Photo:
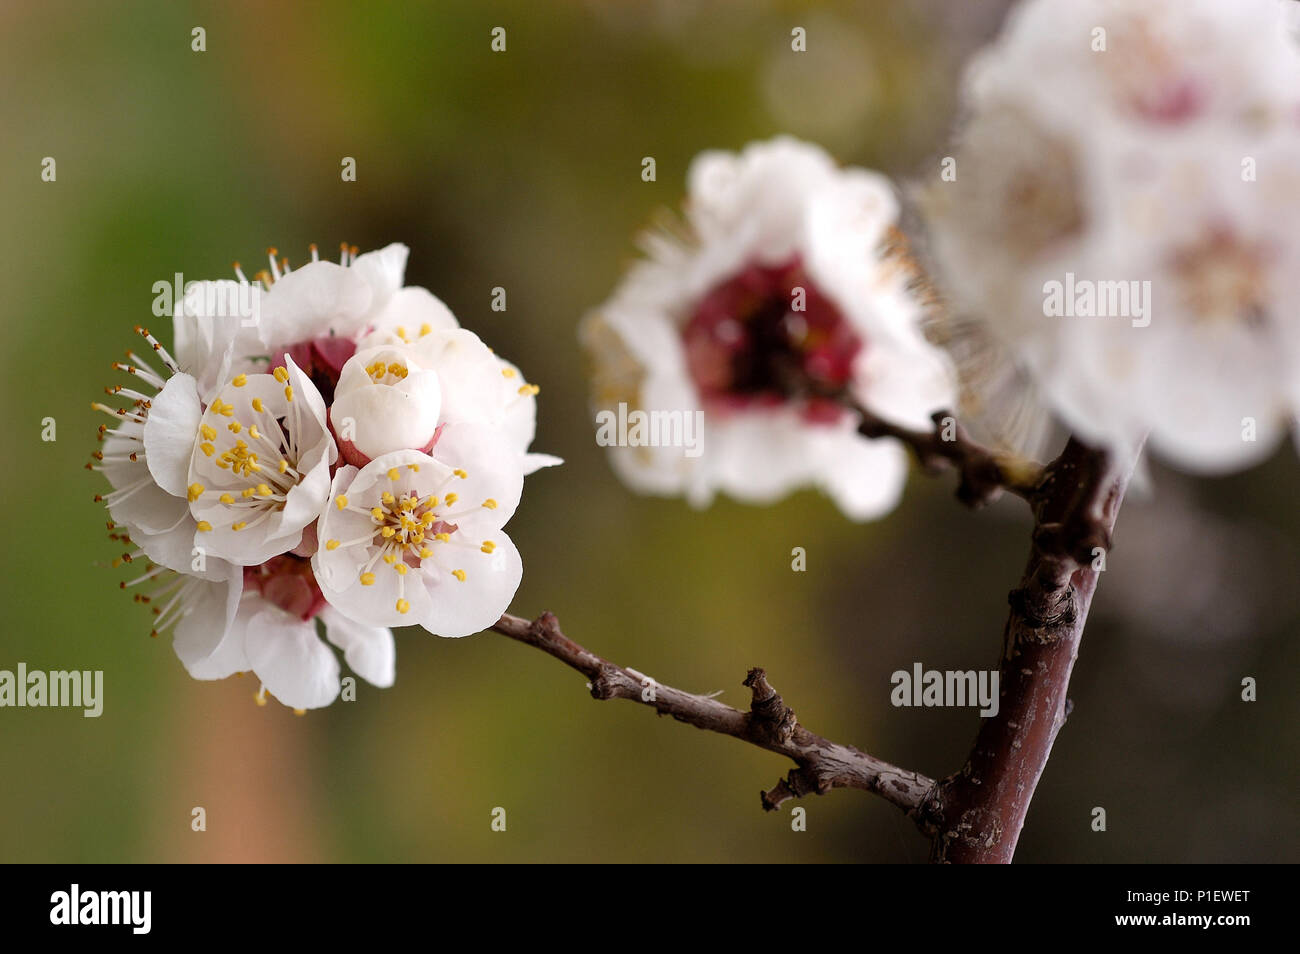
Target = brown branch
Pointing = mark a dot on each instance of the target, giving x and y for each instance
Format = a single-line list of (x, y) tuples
[(821, 765), (984, 474), (975, 815), (980, 810)]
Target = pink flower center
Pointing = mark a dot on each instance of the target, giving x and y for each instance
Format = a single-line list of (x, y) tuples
[(321, 359), (288, 582), (767, 337)]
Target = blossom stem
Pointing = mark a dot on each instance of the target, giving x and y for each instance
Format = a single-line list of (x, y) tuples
[(769, 724), (984, 473)]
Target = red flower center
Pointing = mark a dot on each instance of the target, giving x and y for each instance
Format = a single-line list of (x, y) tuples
[(768, 336)]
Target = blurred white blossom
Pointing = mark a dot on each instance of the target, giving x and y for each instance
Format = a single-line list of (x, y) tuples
[(785, 296), (1122, 215)]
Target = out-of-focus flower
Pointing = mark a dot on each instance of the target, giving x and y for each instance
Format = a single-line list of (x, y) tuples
[(785, 299), (1121, 214)]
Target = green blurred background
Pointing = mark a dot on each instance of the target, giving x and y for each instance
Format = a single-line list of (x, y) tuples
[(522, 169)]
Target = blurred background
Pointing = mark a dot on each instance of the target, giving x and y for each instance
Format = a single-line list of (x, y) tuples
[(522, 169)]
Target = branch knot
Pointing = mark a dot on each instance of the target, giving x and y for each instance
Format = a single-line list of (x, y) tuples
[(768, 712)]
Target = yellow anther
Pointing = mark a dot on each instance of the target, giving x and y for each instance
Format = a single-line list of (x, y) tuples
[(235, 427), (281, 374), (401, 332), (425, 329), (222, 408), (397, 370), (387, 498), (254, 433), (530, 389), (400, 568), (392, 473), (459, 574), (208, 433), (442, 537), (204, 526), (263, 490), (450, 499), (427, 517), (331, 544), (194, 492), (460, 473), (239, 526), (284, 465), (490, 504), (239, 380), (488, 546), (389, 558), (415, 468), (260, 698), (247, 492), (341, 501), (288, 392), (425, 553), (388, 532), (377, 513), (403, 606), (208, 449), (257, 405), (367, 579), (507, 372), (226, 499), (300, 712)]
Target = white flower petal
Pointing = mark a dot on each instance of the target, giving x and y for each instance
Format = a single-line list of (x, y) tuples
[(461, 608), (203, 640), (290, 659), (368, 650), (313, 301), (170, 432), (383, 270)]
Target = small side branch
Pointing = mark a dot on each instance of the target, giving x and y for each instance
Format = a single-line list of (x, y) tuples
[(984, 474), (770, 724)]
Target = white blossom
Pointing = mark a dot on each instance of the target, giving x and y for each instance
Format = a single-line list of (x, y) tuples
[(1122, 218), (785, 299)]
